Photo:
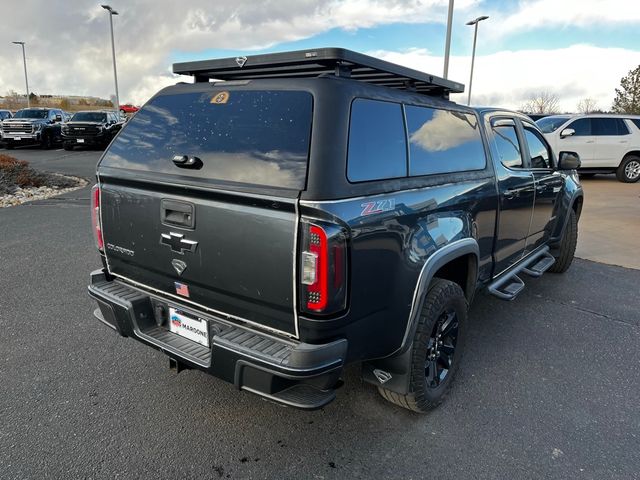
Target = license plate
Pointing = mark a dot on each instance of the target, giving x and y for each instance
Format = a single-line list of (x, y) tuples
[(194, 329), (80, 140), (17, 138)]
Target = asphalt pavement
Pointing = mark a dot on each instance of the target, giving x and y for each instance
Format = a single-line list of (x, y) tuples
[(548, 388)]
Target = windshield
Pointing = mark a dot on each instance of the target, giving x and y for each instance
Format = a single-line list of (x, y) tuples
[(249, 137), (88, 117), (551, 124), (28, 113)]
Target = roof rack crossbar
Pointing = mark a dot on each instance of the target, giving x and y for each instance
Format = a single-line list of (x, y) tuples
[(320, 62)]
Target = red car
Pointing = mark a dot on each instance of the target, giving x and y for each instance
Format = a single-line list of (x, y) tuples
[(128, 108)]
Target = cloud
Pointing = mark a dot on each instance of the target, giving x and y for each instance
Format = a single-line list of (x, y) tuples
[(508, 79), (69, 50), (535, 14)]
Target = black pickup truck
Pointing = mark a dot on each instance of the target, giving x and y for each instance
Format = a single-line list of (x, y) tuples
[(91, 129), (317, 208), (33, 126)]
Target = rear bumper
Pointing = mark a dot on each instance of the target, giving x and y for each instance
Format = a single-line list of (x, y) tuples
[(292, 373)]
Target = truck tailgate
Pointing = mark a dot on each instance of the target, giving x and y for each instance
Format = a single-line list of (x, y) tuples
[(230, 253)]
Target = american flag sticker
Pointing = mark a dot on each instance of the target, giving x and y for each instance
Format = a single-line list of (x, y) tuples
[(182, 289)]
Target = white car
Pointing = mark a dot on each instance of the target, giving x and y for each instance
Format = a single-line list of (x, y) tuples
[(605, 143)]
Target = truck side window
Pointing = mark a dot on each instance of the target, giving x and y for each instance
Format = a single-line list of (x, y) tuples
[(538, 150), (582, 127), (377, 141), (508, 147), (443, 141)]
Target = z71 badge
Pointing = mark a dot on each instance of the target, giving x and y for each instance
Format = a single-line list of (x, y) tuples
[(370, 208)]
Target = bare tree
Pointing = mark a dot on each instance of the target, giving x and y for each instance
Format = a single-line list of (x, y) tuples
[(14, 101), (541, 102), (587, 105)]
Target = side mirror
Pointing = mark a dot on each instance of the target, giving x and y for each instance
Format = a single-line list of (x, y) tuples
[(568, 161), (58, 118), (567, 132)]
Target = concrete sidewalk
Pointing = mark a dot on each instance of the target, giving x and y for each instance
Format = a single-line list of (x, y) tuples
[(609, 228)]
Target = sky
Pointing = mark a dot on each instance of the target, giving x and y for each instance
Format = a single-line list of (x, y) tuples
[(574, 49)]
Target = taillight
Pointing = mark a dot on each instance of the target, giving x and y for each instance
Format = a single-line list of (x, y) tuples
[(322, 268), (95, 217)]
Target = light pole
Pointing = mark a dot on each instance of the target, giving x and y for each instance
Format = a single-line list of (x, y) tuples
[(112, 12), (473, 55), (447, 46), (26, 79)]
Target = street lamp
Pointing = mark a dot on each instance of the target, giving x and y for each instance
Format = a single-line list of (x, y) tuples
[(447, 46), (473, 55), (26, 79), (112, 12)]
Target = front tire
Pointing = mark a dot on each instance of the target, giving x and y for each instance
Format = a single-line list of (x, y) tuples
[(45, 143), (629, 169), (436, 349), (567, 248), (67, 146)]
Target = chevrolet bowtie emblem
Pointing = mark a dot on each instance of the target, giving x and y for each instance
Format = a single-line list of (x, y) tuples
[(178, 243)]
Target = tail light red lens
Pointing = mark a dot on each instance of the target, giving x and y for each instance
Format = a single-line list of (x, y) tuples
[(95, 217), (315, 271), (323, 269)]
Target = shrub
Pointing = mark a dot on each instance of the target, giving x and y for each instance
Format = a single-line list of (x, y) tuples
[(16, 174)]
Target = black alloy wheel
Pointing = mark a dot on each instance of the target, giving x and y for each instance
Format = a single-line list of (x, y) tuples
[(437, 348), (441, 348)]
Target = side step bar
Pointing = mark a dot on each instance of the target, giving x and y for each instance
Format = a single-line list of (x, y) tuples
[(300, 396), (509, 285)]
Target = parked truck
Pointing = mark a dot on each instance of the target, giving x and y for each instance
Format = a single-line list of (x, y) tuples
[(91, 129), (313, 209), (33, 126)]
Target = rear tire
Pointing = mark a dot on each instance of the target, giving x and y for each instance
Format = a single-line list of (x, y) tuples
[(567, 248), (433, 366), (629, 169)]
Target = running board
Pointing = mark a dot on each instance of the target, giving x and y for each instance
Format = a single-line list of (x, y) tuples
[(509, 285), (543, 264)]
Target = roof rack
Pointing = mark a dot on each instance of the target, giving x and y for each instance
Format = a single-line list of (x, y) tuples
[(318, 62)]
